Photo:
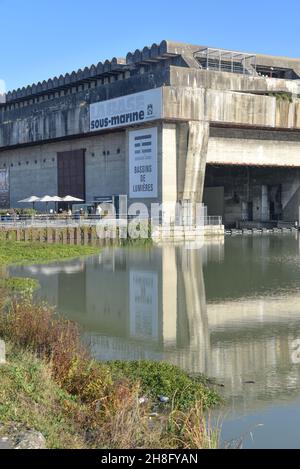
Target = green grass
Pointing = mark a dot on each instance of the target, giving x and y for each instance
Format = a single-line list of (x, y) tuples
[(19, 285), (30, 397), (164, 379), (13, 252)]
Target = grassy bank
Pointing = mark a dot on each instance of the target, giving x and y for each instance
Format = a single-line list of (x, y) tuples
[(22, 253), (53, 386), (13, 252), (29, 397)]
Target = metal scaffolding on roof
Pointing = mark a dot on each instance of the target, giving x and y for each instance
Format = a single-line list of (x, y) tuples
[(226, 61)]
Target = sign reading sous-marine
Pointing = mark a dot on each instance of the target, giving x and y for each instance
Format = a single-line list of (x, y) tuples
[(136, 108)]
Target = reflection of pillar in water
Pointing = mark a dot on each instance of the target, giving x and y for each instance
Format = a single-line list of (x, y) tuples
[(169, 295), (194, 288), (215, 252), (264, 245)]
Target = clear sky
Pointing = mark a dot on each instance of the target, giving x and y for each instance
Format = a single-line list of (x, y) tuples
[(44, 38)]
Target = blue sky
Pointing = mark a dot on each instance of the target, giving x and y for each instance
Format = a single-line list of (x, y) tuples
[(44, 38)]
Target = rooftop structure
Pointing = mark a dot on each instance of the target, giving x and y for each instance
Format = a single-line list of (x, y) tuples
[(167, 53), (226, 61)]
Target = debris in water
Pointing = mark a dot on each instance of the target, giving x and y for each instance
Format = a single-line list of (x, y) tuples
[(163, 399)]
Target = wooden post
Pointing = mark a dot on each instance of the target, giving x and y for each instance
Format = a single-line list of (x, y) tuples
[(78, 235), (2, 352), (71, 235), (93, 235), (64, 236), (85, 236), (56, 235), (49, 236), (34, 235)]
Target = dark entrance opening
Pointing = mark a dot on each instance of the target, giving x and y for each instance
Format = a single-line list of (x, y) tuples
[(71, 174), (275, 202), (250, 211)]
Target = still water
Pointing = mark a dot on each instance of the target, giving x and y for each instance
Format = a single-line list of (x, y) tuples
[(230, 310)]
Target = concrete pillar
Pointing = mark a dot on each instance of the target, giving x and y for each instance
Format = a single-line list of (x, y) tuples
[(196, 161), (265, 209), (169, 172)]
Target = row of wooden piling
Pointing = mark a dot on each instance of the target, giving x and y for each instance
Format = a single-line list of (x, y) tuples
[(81, 235)]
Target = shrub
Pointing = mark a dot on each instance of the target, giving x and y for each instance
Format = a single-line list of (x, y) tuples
[(90, 380), (35, 327), (159, 378)]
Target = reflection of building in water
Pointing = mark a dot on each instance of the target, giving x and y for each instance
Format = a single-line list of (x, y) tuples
[(158, 304), (152, 305), (254, 340), (143, 307), (133, 294)]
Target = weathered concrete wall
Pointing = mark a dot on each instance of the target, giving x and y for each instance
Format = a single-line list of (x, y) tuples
[(68, 113), (253, 152), (105, 166), (33, 170), (225, 81), (219, 106)]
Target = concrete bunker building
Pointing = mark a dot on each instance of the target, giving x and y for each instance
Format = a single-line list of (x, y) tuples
[(170, 123)]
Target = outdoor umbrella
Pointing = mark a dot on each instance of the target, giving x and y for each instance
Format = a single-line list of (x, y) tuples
[(69, 199), (47, 199), (56, 199), (30, 200)]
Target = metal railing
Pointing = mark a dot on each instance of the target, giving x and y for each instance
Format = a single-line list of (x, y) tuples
[(24, 221), (215, 221), (226, 61)]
